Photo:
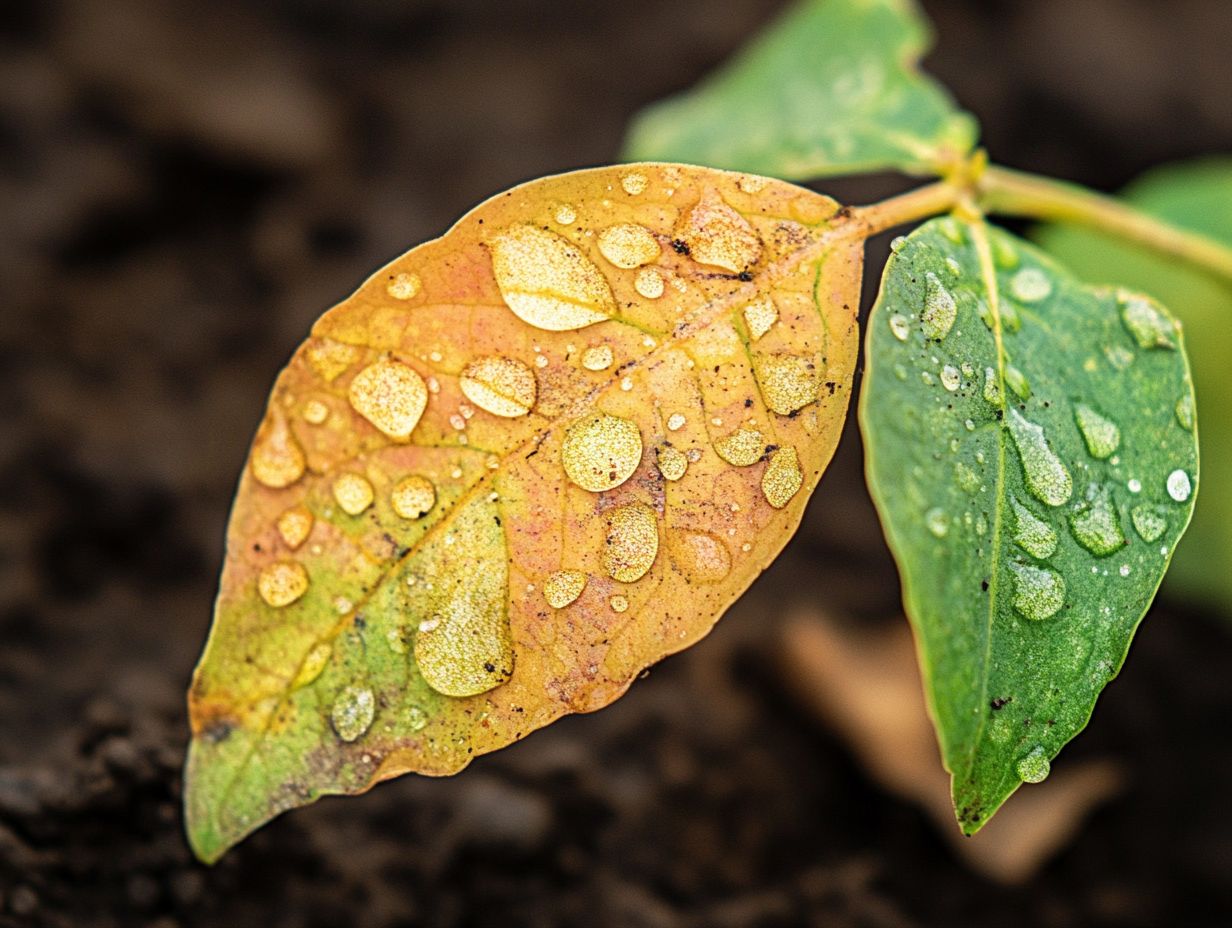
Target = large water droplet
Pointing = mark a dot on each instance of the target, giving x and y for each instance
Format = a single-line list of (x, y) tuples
[(1039, 592), (1033, 534), (1147, 321), (648, 282), (1179, 486), (628, 245), (1148, 522), (1034, 768), (282, 583), (1046, 476), (1102, 436), (742, 447), (788, 382), (717, 235), (601, 452), (547, 282), (940, 309), (501, 386), (632, 542), (1096, 525), (759, 316), (782, 479), (353, 712), (390, 395)]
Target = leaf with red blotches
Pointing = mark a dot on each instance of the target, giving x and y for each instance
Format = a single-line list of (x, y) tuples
[(521, 464)]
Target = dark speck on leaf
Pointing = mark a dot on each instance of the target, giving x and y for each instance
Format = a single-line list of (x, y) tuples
[(746, 276), (680, 246)]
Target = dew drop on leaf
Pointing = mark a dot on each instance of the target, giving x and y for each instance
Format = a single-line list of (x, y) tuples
[(899, 326), (937, 521), (416, 718), (1034, 768), (1148, 523), (741, 448), (618, 603), (992, 387), (390, 395), (282, 583), (782, 479), (1185, 412), (759, 316), (294, 525), (1046, 476), (597, 358), (951, 379), (1033, 534), (563, 587), (671, 462), (703, 557), (403, 286), (940, 309), (648, 282), (1179, 486), (353, 493), (1096, 525), (413, 496), (788, 382), (1102, 436), (717, 235), (353, 712), (313, 664), (565, 215), (628, 245), (634, 183), (315, 412), (277, 459), (600, 452), (547, 282), (1018, 382), (1030, 285), (502, 386), (675, 422), (632, 542), (1146, 321), (1039, 592)]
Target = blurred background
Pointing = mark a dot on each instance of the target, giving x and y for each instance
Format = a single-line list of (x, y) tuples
[(184, 188)]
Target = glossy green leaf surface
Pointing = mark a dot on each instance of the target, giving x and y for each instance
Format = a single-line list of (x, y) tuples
[(1033, 476), (833, 87), (1195, 196)]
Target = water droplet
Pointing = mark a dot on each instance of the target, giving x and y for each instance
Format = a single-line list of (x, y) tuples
[(1039, 592), (403, 286), (1034, 768), (1100, 434), (1148, 522), (1179, 486), (967, 479), (1033, 534), (547, 282), (277, 459), (294, 525), (634, 183), (282, 583), (1046, 476), (759, 316), (313, 665), (1146, 321), (937, 521), (565, 215), (992, 386), (742, 447), (900, 326), (1135, 486), (782, 478), (1119, 356), (788, 382), (563, 587), (898, 243), (1003, 253), (751, 183), (626, 384), (413, 496), (1030, 285), (1124, 570), (675, 422), (672, 464), (718, 235), (648, 282), (601, 452), (1018, 382), (940, 310), (1185, 412), (953, 267), (702, 557), (598, 358), (951, 379), (632, 542), (1096, 525), (618, 603), (416, 718), (628, 245), (315, 412), (390, 395), (501, 386), (353, 493), (353, 712)]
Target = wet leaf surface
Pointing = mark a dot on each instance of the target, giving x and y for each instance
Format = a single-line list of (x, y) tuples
[(1195, 196), (522, 463), (833, 87), (1033, 478)]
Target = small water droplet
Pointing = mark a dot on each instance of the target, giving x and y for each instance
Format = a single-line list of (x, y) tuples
[(1102, 436), (1179, 486), (900, 372), (1039, 592), (788, 382), (353, 493), (1018, 382), (416, 718), (1124, 570), (1030, 285), (675, 422), (1185, 412), (277, 459), (632, 542), (1135, 486), (898, 243), (403, 286), (1034, 768), (563, 587), (1147, 321), (703, 557), (937, 521), (315, 412), (1149, 523), (628, 245), (967, 479), (1003, 253), (618, 603), (502, 386), (717, 235), (1046, 476), (353, 712), (600, 452), (951, 379), (313, 665), (672, 463), (782, 478), (953, 267), (413, 496), (634, 183), (597, 358), (992, 386), (1096, 525), (940, 309), (648, 282), (565, 215), (1033, 534), (294, 525)]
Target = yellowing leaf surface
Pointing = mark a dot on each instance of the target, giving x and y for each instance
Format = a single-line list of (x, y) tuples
[(522, 463)]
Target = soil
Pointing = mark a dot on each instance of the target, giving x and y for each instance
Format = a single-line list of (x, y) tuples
[(184, 188)]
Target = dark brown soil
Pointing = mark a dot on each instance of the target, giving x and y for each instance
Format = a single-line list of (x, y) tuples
[(185, 187)]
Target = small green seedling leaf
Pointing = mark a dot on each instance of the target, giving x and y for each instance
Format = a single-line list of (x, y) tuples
[(1033, 478), (1196, 196), (522, 463), (831, 88)]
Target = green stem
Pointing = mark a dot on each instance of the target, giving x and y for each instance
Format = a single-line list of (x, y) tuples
[(912, 206), (1014, 193)]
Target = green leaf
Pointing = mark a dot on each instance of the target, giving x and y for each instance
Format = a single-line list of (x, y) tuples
[(831, 88), (1196, 196), (1033, 479)]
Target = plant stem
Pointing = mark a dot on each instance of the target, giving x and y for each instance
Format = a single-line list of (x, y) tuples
[(1014, 193), (912, 206)]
